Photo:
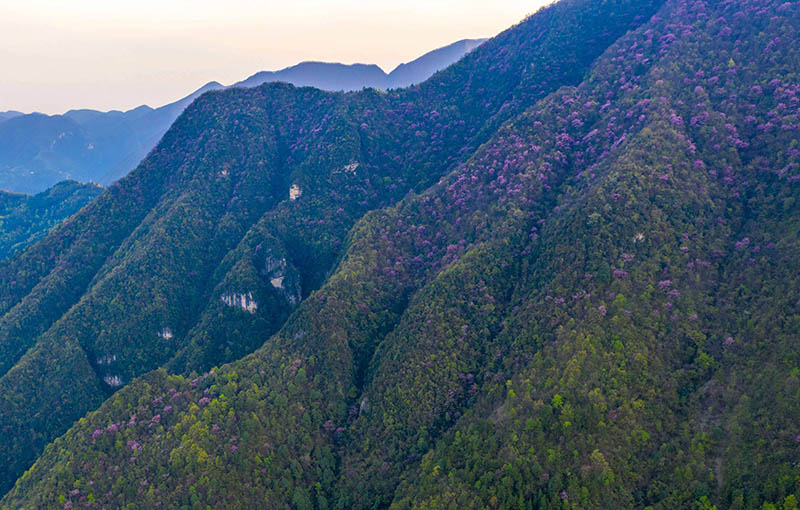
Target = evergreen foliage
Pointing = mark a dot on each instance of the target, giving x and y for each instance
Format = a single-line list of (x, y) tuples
[(25, 219), (562, 273)]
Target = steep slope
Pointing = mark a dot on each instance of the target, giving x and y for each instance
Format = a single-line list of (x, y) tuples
[(598, 309), (421, 69), (121, 140), (24, 219), (36, 150), (243, 209)]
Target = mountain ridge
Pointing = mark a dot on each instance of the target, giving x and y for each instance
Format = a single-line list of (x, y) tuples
[(561, 273), (233, 158), (369, 75), (90, 145)]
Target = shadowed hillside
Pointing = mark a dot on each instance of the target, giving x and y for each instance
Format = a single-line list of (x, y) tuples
[(24, 219)]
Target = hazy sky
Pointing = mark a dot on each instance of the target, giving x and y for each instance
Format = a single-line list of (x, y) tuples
[(118, 54)]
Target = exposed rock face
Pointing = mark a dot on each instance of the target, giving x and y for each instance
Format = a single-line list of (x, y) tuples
[(113, 380), (282, 278), (240, 300), (106, 359)]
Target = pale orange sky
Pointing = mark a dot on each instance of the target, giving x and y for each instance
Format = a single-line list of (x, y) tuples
[(110, 54)]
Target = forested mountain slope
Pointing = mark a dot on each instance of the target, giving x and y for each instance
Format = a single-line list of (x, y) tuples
[(25, 218), (243, 209), (590, 300), (38, 150)]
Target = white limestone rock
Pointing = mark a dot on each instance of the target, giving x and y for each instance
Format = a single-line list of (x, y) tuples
[(113, 380), (241, 300), (106, 359), (295, 192)]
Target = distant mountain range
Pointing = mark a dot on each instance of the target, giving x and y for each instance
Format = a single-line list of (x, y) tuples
[(9, 115), (327, 76), (37, 150)]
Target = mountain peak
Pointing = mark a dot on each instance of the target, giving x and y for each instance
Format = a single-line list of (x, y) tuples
[(107, 145)]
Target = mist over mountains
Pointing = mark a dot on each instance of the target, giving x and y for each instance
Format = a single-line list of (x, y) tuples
[(37, 151)]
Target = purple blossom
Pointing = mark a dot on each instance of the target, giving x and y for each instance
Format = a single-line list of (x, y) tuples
[(664, 284), (97, 433), (740, 245), (602, 310)]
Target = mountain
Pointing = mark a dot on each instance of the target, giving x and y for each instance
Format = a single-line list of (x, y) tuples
[(425, 66), (37, 150), (561, 273), (24, 218), (342, 77), (9, 115), (146, 275), (323, 75)]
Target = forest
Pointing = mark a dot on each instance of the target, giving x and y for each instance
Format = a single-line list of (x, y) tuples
[(563, 273)]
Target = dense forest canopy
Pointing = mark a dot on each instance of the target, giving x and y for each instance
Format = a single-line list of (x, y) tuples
[(27, 218), (562, 273)]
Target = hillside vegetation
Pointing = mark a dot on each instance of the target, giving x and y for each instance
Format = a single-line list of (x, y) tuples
[(562, 273), (25, 219)]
